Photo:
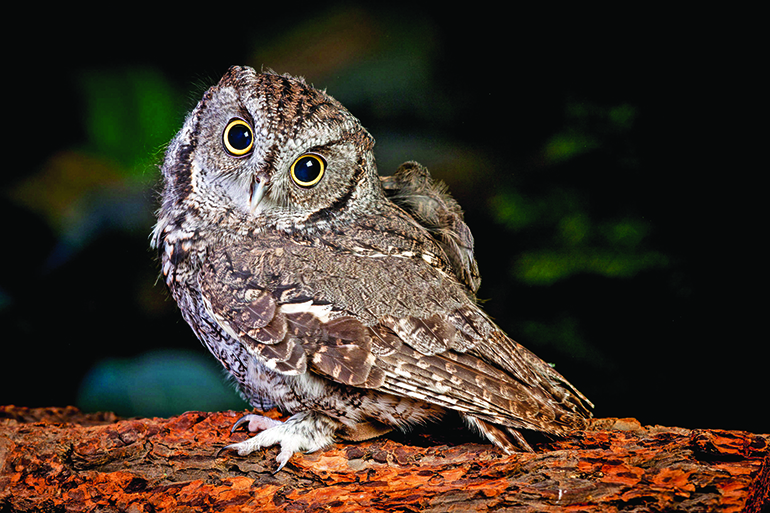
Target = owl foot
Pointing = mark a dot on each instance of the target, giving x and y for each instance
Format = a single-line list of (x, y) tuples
[(303, 432)]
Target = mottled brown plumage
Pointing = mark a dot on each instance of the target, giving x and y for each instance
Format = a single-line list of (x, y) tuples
[(344, 298)]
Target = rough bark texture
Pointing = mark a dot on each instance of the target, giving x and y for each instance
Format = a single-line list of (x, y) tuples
[(59, 459)]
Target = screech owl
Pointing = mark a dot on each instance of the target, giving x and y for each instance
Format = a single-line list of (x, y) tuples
[(346, 299)]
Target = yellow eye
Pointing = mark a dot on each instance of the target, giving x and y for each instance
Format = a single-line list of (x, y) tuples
[(238, 138), (308, 170)]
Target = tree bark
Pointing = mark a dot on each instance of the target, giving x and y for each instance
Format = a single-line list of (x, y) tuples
[(60, 459)]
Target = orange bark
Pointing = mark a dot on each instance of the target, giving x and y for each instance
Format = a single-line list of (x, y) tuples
[(62, 459)]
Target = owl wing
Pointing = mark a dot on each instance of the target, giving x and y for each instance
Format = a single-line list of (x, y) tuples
[(428, 201), (350, 318)]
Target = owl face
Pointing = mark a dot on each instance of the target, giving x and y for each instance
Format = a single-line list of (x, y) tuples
[(276, 151)]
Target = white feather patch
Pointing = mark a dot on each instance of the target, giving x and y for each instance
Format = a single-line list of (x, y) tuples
[(322, 312)]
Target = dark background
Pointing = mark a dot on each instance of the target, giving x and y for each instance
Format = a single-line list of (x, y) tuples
[(602, 160)]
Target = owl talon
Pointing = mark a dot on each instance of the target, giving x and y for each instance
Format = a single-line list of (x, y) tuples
[(255, 423), (303, 432), (282, 459)]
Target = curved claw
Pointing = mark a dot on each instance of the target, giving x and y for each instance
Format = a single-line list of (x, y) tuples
[(238, 423), (223, 449), (281, 462), (255, 422)]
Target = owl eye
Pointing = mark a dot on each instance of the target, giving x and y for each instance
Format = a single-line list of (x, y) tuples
[(308, 170), (238, 138)]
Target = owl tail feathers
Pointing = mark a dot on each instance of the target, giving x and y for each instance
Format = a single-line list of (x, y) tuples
[(305, 431), (507, 439)]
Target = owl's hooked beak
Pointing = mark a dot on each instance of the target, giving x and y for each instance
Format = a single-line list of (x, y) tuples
[(257, 193)]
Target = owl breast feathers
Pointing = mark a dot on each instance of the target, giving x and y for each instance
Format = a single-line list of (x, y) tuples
[(346, 299)]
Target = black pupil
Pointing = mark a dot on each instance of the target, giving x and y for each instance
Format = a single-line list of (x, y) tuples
[(239, 137), (307, 169)]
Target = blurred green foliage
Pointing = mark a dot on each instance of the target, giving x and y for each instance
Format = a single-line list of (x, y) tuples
[(129, 115), (572, 239), (103, 183), (616, 248)]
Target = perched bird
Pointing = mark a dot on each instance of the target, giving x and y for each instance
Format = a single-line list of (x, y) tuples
[(346, 299)]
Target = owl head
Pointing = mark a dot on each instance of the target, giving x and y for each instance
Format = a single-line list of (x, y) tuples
[(262, 149)]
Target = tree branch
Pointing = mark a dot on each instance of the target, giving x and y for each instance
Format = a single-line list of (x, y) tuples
[(56, 459)]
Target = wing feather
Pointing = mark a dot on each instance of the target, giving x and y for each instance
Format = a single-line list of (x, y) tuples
[(451, 355)]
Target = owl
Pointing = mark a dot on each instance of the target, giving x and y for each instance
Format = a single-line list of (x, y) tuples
[(345, 299)]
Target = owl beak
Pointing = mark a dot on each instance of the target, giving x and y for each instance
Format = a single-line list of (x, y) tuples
[(257, 193)]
